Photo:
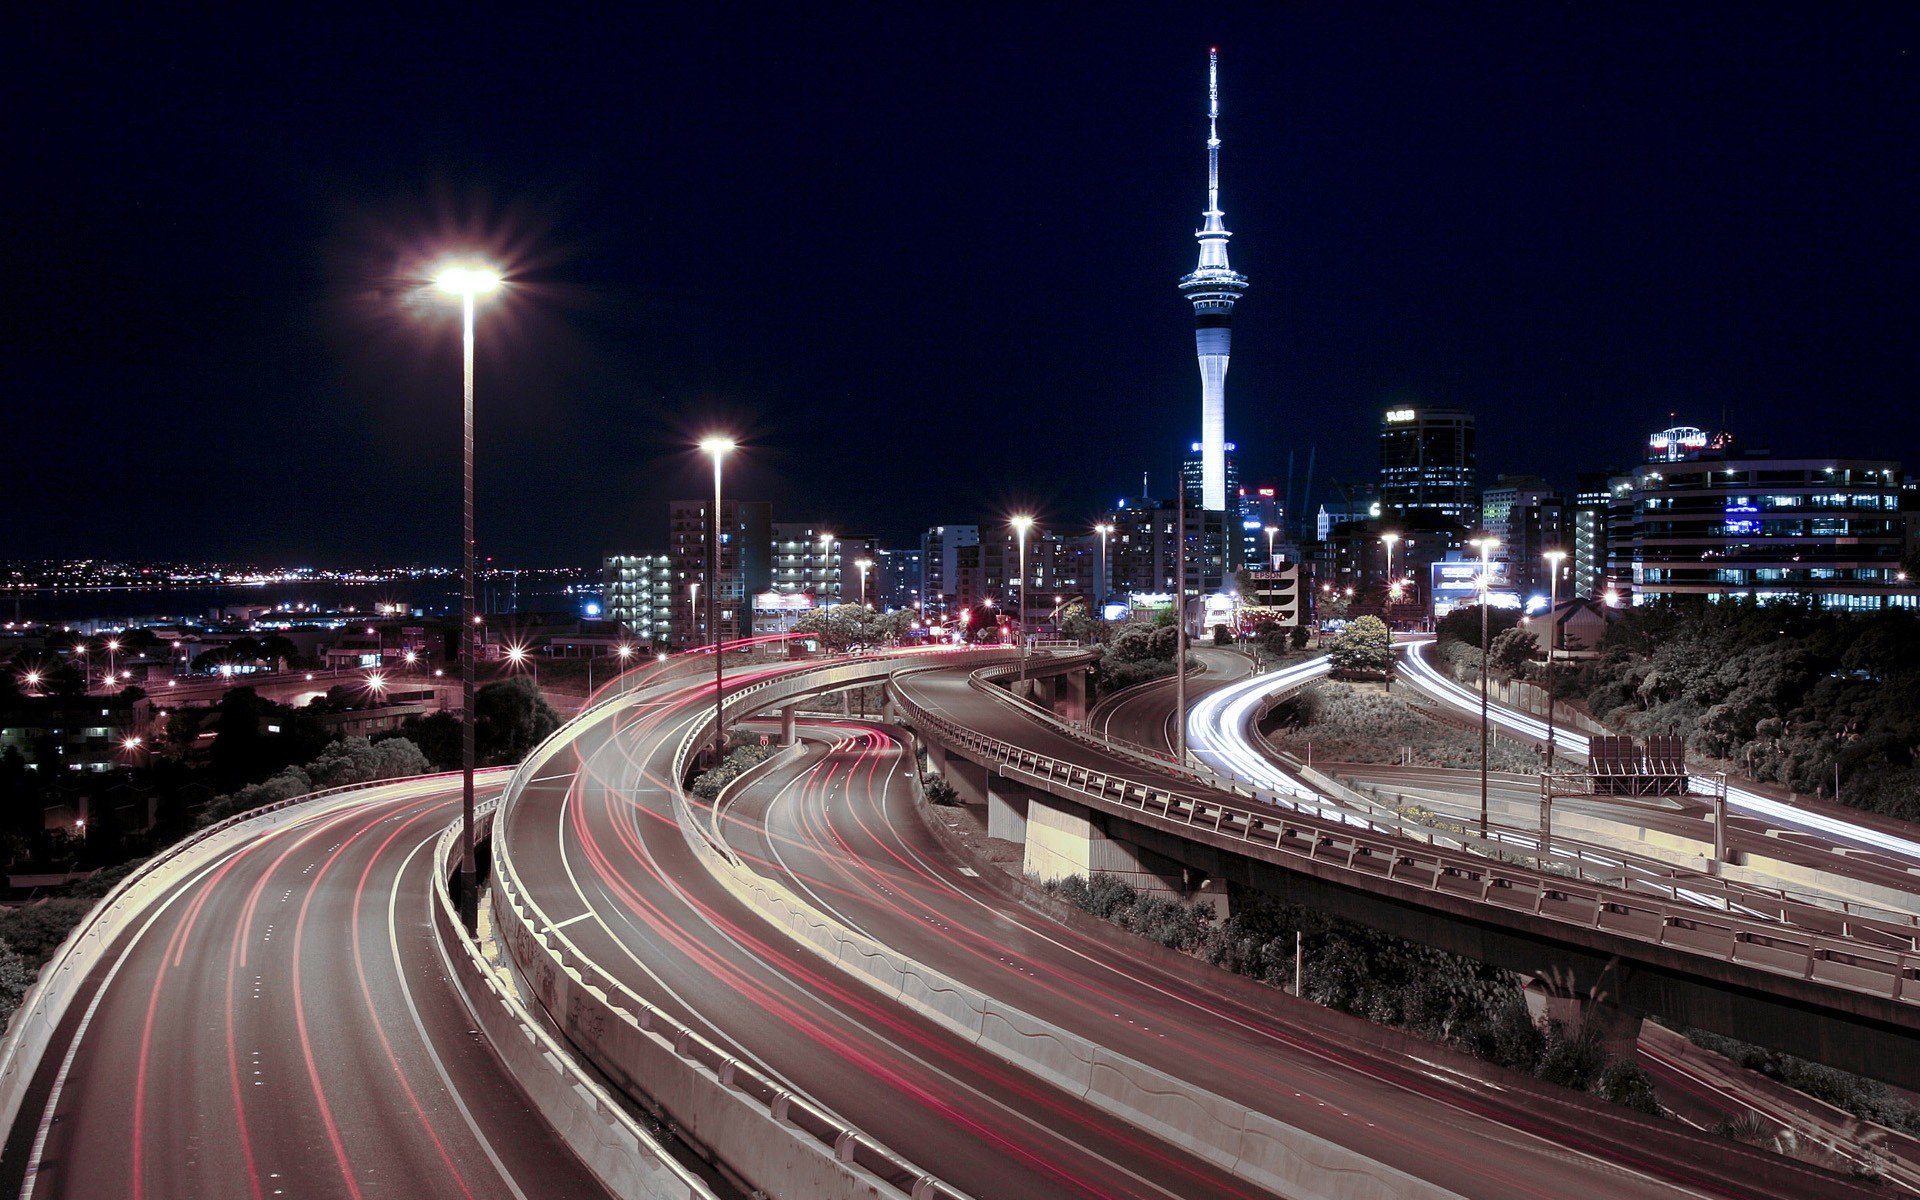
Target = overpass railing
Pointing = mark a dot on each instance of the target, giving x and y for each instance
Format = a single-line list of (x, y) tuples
[(1364, 854)]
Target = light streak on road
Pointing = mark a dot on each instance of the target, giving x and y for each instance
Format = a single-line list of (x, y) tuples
[(1216, 728), (1428, 678)]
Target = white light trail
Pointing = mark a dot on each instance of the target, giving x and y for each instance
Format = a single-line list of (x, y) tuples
[(1424, 675)]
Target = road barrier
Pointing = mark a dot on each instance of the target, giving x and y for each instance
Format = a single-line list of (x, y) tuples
[(1245, 1142), (624, 1156), (1365, 854), (717, 1098), (45, 1005)]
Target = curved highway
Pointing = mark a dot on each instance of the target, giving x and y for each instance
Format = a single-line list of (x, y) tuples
[(598, 845), (1143, 714), (281, 1025), (838, 824)]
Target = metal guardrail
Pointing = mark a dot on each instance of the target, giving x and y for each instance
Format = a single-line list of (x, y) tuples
[(796, 1114), (1353, 846)]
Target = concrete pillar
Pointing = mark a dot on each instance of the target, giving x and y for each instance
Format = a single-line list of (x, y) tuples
[(1007, 804), (1213, 890), (1046, 691), (1064, 838), (969, 779), (786, 724), (888, 709), (1070, 696), (1551, 999)]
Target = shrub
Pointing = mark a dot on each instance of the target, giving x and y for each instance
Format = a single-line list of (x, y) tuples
[(709, 783), (938, 790)]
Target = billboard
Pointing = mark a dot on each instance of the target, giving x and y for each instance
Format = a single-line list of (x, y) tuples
[(1458, 583)]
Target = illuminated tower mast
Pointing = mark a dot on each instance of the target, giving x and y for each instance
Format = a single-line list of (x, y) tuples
[(1213, 287)]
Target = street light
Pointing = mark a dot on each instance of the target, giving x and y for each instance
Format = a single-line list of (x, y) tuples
[(1554, 559), (469, 284), (1485, 545), (718, 448), (1270, 531), (1105, 531), (864, 564), (1020, 525), (826, 563)]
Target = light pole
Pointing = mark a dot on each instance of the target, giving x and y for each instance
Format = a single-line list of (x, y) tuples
[(1180, 625), (1554, 559), (468, 283), (718, 448), (1388, 540), (1485, 545), (113, 647), (865, 565), (1271, 530), (1100, 596), (826, 564), (1020, 525)]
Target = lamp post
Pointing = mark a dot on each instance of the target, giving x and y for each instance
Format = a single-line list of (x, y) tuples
[(1020, 525), (1271, 530), (865, 565), (1485, 545), (826, 563), (113, 647), (1100, 596), (1388, 540), (1554, 559), (468, 283), (718, 448)]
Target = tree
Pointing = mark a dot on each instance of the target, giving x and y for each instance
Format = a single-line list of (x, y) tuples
[(1082, 626), (358, 760), (278, 648), (510, 717), (1365, 646), (840, 627), (1510, 653)]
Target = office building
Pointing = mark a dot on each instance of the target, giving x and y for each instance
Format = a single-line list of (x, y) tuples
[(1427, 463), (1755, 526)]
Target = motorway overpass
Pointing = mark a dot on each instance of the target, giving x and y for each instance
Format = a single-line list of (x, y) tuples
[(1081, 807)]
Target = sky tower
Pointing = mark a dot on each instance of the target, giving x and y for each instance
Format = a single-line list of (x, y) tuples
[(1213, 287)]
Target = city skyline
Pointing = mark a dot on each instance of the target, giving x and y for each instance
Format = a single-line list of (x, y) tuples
[(1635, 239)]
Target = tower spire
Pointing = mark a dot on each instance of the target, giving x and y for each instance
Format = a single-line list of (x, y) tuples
[(1213, 288), (1213, 138)]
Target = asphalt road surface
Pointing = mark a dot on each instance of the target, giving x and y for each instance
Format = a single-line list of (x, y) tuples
[(282, 1026)]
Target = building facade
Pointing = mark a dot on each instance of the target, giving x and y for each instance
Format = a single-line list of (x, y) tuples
[(1428, 457), (1825, 529), (636, 591), (746, 541)]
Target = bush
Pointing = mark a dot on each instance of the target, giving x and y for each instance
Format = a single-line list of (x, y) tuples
[(1364, 646), (1627, 1084), (16, 976), (1362, 723), (938, 790), (709, 783)]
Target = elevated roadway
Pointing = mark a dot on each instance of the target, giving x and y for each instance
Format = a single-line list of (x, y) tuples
[(595, 841), (840, 822), (280, 1025)]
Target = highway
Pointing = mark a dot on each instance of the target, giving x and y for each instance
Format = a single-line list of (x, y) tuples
[(281, 1025), (1143, 714), (838, 823), (597, 842)]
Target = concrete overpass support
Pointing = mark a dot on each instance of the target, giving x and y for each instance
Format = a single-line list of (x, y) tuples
[(1064, 838), (969, 779), (786, 724), (1007, 807), (1070, 696), (1553, 999)]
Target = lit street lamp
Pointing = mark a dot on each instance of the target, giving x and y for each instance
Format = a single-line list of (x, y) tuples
[(826, 564), (1271, 530), (1100, 595), (865, 565), (1020, 525), (1485, 545), (718, 448), (1554, 559), (468, 283)]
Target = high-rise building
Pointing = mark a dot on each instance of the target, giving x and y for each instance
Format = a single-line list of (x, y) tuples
[(1213, 287), (1193, 473), (1262, 509), (636, 590), (746, 542), (900, 583), (1754, 526), (1591, 497), (1427, 461)]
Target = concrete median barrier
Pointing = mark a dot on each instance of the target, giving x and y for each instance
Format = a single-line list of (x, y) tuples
[(614, 1146), (1253, 1145)]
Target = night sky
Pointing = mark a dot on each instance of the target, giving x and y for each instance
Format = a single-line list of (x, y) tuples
[(925, 267)]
